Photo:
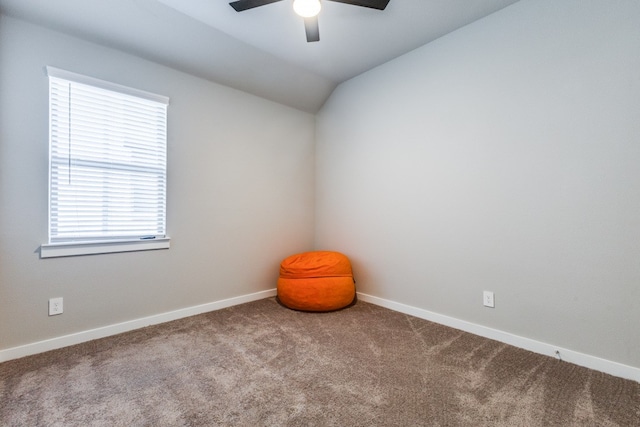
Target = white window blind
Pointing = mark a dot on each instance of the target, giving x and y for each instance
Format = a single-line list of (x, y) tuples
[(107, 161)]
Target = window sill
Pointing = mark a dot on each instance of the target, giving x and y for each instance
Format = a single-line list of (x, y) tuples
[(54, 250)]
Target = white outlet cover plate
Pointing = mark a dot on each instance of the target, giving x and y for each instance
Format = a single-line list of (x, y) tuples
[(55, 306), (488, 300)]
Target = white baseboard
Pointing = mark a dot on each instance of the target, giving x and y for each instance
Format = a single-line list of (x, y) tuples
[(581, 359), (92, 334)]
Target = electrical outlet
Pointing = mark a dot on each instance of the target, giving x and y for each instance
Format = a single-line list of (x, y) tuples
[(55, 306), (488, 300)]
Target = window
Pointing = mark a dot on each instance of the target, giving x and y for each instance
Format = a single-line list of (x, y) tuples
[(107, 167)]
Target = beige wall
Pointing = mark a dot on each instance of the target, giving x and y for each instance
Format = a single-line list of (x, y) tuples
[(505, 157), (240, 194)]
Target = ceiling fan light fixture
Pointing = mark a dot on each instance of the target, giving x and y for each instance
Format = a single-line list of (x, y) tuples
[(307, 8)]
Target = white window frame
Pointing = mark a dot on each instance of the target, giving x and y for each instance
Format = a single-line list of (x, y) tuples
[(107, 245)]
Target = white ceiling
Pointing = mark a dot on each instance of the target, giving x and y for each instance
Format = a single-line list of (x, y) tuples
[(263, 50)]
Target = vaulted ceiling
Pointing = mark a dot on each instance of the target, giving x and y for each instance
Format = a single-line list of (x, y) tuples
[(263, 50)]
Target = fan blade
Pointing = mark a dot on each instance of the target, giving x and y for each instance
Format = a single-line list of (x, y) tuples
[(373, 4), (241, 5), (312, 29)]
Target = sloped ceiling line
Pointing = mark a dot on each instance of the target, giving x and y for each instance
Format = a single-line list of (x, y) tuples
[(261, 51)]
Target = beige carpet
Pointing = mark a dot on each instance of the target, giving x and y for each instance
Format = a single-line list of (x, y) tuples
[(260, 364)]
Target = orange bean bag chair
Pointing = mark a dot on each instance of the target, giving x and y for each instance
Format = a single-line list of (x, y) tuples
[(316, 281)]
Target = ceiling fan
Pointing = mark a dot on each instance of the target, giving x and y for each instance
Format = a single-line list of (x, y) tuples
[(309, 10)]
